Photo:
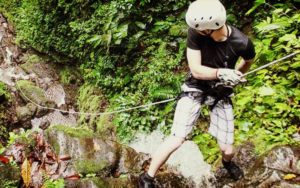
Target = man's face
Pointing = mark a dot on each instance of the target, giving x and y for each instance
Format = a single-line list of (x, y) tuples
[(206, 32)]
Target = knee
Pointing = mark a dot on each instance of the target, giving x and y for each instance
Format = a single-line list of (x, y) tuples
[(227, 152), (176, 141)]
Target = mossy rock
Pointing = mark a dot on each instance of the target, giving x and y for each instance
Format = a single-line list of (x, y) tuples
[(36, 65), (97, 182), (80, 143), (30, 92)]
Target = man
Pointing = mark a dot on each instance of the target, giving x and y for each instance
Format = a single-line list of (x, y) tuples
[(213, 49)]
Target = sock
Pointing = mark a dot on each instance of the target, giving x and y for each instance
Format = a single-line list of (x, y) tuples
[(225, 164), (148, 177)]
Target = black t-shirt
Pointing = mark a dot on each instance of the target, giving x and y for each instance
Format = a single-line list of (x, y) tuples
[(213, 54)]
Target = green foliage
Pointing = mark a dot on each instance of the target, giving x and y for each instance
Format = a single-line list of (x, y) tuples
[(131, 53), (55, 183), (5, 97), (8, 183), (267, 109), (22, 137)]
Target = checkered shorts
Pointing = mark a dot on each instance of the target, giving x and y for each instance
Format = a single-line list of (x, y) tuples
[(221, 119)]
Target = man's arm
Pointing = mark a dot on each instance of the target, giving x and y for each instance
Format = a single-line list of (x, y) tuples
[(199, 71), (245, 65)]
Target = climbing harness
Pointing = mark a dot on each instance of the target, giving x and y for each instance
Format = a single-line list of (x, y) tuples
[(183, 94)]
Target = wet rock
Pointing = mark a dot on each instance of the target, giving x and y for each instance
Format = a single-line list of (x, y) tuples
[(9, 173), (36, 65), (80, 145), (30, 92), (269, 169), (44, 124), (26, 113), (131, 162), (125, 182)]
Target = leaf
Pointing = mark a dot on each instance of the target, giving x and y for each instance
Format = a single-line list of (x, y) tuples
[(140, 25), (25, 172), (245, 126), (289, 176), (178, 30), (95, 38), (257, 3), (96, 146), (73, 177), (4, 159), (64, 157), (288, 37), (266, 91), (259, 109), (138, 34)]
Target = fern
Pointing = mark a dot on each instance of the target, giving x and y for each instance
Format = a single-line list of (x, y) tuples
[(164, 93)]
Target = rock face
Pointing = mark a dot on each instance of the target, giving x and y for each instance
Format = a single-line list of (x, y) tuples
[(35, 65), (115, 165), (89, 154), (92, 154), (265, 171)]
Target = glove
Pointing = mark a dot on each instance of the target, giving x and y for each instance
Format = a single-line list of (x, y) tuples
[(230, 77)]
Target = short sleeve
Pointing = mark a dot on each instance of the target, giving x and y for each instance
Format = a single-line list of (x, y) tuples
[(193, 39), (249, 52)]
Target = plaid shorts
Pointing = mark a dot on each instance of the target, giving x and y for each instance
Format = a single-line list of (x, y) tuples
[(221, 119)]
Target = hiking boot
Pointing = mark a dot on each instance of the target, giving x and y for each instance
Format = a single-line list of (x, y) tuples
[(234, 171), (145, 181)]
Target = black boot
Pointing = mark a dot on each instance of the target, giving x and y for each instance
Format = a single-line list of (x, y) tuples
[(145, 181), (234, 171)]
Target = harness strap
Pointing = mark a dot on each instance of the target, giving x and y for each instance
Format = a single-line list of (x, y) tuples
[(195, 94)]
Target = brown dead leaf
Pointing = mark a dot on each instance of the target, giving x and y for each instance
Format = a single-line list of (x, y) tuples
[(26, 171), (64, 157), (73, 177), (96, 146)]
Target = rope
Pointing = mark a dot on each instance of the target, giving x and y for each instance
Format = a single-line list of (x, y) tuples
[(151, 104), (95, 114)]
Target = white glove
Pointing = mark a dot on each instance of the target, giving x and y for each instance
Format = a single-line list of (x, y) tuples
[(230, 77)]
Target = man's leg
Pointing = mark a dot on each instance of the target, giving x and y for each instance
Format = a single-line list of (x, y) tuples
[(186, 113), (163, 153), (222, 128), (227, 151)]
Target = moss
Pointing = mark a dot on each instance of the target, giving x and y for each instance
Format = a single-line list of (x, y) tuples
[(28, 84), (5, 97), (100, 182), (90, 166), (79, 132)]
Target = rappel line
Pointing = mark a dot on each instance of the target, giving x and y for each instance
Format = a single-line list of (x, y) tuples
[(146, 105), (95, 114)]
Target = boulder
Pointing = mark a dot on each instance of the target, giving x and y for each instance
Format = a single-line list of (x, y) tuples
[(89, 153), (29, 92), (26, 113), (35, 65), (125, 182), (267, 170)]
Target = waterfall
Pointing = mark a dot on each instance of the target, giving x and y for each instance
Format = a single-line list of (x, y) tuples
[(188, 159)]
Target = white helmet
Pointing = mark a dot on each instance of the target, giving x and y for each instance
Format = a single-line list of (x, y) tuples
[(206, 14)]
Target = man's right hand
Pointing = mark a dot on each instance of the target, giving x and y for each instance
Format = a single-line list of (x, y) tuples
[(230, 77)]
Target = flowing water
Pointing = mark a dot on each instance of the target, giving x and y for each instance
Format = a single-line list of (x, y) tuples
[(188, 159)]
